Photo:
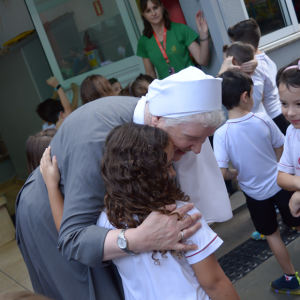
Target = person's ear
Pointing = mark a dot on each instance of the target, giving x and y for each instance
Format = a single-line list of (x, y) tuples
[(244, 97), (155, 121), (62, 115), (234, 62)]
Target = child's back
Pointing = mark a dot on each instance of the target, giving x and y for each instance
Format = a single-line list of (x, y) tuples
[(172, 276), (248, 143)]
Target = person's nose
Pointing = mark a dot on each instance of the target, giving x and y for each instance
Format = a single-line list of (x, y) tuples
[(197, 147), (291, 113)]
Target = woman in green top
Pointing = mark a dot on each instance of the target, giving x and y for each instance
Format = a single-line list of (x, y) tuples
[(179, 42)]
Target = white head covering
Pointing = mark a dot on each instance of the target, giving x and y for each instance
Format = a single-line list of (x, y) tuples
[(187, 92)]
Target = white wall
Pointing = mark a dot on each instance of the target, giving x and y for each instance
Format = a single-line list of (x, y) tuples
[(14, 19)]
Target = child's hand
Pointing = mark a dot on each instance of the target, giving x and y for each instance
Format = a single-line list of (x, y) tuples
[(234, 174), (52, 81), (294, 204), (49, 170), (249, 66), (228, 65)]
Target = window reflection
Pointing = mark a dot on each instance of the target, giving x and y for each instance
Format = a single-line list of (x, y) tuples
[(82, 37), (271, 15)]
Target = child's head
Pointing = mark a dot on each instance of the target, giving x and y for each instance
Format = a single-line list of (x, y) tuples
[(51, 111), (95, 87), (245, 31), (139, 87), (116, 85), (237, 89), (240, 51), (288, 82), (137, 170), (35, 147)]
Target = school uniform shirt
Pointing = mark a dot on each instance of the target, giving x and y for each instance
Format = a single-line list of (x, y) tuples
[(267, 70), (249, 143), (179, 38), (290, 159), (258, 92), (174, 278)]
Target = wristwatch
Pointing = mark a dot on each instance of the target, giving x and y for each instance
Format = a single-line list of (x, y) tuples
[(123, 243)]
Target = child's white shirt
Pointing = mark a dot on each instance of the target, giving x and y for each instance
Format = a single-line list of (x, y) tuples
[(249, 143), (174, 278), (267, 70), (258, 92), (290, 159)]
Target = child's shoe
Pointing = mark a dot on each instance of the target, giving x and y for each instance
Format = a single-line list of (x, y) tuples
[(257, 236), (282, 286)]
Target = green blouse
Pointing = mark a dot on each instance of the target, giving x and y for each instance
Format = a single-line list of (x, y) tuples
[(179, 38)]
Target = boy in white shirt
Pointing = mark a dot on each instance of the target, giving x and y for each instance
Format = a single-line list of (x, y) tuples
[(254, 144), (248, 32), (241, 53)]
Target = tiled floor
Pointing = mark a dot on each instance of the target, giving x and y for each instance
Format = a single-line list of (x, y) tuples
[(11, 193), (14, 276)]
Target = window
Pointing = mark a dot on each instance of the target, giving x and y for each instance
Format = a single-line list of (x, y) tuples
[(271, 15), (84, 37)]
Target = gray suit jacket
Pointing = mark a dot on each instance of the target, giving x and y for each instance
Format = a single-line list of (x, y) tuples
[(77, 272)]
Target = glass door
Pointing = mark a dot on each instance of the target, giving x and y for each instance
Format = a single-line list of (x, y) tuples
[(84, 37)]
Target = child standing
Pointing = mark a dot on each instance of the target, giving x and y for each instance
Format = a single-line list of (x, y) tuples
[(288, 82), (138, 173), (254, 144), (248, 32)]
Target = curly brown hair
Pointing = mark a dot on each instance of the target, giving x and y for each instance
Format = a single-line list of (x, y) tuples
[(148, 30), (134, 169)]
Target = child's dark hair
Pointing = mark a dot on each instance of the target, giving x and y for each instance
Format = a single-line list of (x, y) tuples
[(148, 31), (240, 51), (49, 110), (291, 77), (234, 84), (35, 147), (113, 80), (246, 31), (138, 88), (134, 169)]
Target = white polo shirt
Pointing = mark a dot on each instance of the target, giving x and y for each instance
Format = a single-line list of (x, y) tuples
[(249, 143), (258, 92), (267, 70), (174, 278), (290, 159)]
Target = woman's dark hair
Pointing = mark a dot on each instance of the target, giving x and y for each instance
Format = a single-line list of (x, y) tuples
[(49, 110), (148, 30), (137, 88), (234, 84), (95, 87), (134, 169), (291, 77), (35, 147)]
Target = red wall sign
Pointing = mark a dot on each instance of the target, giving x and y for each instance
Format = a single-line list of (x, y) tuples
[(98, 8)]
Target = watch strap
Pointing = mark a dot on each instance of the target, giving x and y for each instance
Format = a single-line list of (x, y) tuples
[(122, 236), (59, 86)]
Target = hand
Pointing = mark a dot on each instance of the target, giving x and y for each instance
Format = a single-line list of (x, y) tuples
[(74, 87), (52, 81), (294, 204), (49, 169), (163, 232), (228, 65), (234, 174), (201, 25), (249, 66)]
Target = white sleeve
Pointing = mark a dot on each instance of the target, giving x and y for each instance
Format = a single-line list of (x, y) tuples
[(277, 137), (286, 164), (220, 150), (103, 221), (207, 241)]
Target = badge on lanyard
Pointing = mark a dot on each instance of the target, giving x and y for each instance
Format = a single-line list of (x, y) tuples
[(163, 51)]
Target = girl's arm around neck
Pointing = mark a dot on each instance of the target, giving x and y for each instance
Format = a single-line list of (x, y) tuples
[(213, 280)]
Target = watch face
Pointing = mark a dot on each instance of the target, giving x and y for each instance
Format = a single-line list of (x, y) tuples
[(122, 243)]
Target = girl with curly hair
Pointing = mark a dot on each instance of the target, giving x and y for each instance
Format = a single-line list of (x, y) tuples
[(139, 177)]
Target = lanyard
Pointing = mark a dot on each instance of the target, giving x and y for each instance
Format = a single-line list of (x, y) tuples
[(162, 49)]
